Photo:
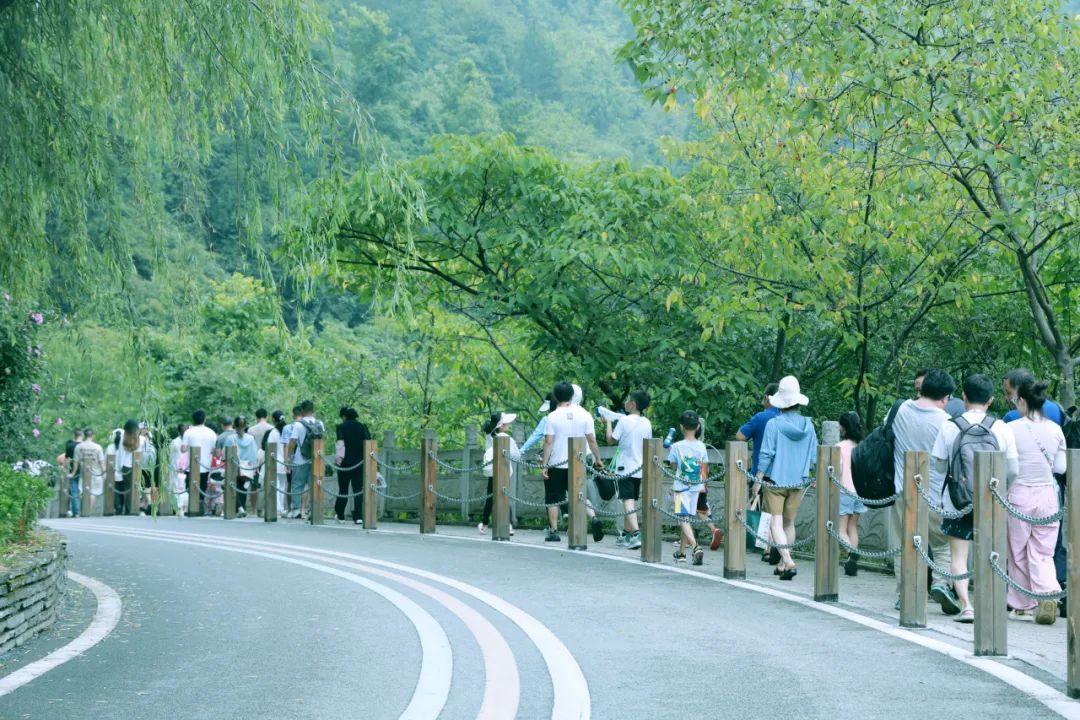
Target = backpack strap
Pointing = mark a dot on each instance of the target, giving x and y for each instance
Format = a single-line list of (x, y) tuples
[(891, 416), (988, 421)]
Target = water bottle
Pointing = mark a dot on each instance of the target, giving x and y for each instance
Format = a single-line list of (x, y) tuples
[(670, 437)]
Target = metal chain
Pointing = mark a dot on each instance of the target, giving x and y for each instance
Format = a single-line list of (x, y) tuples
[(628, 475), (831, 471), (388, 496), (405, 467), (451, 467), (1011, 509), (624, 513), (538, 466), (436, 493), (778, 546), (1019, 588), (870, 554), (337, 468), (689, 519), (236, 488), (530, 503), (674, 476), (940, 509), (917, 542), (347, 496)]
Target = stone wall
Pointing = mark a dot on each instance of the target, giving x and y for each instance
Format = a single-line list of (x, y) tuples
[(30, 590)]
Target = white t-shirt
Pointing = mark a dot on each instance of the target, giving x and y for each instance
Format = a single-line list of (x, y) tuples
[(630, 432), (691, 459), (203, 438), (950, 431), (564, 423), (1041, 446), (258, 430), (489, 455)]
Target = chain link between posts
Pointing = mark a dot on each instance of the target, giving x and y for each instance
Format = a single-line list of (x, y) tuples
[(940, 509), (447, 498), (530, 503), (869, 554), (689, 519), (388, 496), (916, 540), (404, 467), (882, 502), (538, 466), (994, 557), (753, 532), (1030, 519)]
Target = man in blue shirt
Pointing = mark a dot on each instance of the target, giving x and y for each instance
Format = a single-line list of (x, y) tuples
[(754, 428)]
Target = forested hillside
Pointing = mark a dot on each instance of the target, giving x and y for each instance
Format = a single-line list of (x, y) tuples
[(435, 209)]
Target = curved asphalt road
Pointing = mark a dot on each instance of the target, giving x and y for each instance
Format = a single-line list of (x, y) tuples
[(221, 621)]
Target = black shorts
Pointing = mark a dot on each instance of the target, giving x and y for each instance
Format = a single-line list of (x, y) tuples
[(702, 502), (555, 485), (962, 528), (629, 488)]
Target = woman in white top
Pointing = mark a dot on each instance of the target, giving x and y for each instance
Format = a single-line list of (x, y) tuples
[(1041, 447), (178, 467), (278, 485), (496, 426), (127, 444)]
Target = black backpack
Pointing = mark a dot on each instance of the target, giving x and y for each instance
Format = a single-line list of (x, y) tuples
[(960, 477), (872, 461), (1070, 425)]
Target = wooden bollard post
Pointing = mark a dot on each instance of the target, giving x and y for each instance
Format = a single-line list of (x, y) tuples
[(231, 460), (1072, 601), (86, 482), (108, 489), (164, 484), (195, 502), (318, 469), (134, 490), (735, 502), (575, 493), (429, 478), (652, 489), (465, 477), (387, 452), (500, 487), (990, 613), (371, 472), (915, 523), (270, 491), (826, 551)]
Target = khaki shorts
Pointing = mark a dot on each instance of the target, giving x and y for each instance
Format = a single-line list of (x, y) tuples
[(782, 501)]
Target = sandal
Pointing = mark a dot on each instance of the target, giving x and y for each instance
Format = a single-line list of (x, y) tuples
[(789, 573)]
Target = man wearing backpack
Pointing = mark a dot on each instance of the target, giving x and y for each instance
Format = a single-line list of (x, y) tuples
[(953, 458), (301, 451), (915, 427)]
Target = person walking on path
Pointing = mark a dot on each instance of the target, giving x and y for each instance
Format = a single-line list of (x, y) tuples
[(851, 433), (690, 459), (307, 426), (630, 432), (261, 426), (753, 431), (952, 462), (537, 436), (497, 425), (178, 470), (1040, 446), (351, 435), (787, 449), (916, 425), (126, 446), (202, 437), (279, 484), (567, 420), (247, 460), (66, 462), (90, 453)]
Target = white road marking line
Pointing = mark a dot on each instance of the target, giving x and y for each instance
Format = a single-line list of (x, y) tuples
[(437, 659), (105, 619), (571, 690), (1052, 698)]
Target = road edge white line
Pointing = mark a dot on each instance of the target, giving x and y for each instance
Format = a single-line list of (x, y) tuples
[(106, 617), (436, 664)]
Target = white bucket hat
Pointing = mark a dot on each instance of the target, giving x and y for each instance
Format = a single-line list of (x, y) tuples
[(507, 418), (788, 394), (578, 395)]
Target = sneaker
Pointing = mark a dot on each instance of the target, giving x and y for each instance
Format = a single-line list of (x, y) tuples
[(1046, 612), (552, 536), (679, 556), (966, 616), (241, 512), (70, 514), (511, 531), (481, 528), (944, 596), (699, 555), (358, 521), (142, 513), (597, 528), (717, 539), (634, 543)]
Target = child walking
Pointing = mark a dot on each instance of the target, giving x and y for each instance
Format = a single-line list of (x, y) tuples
[(851, 430), (691, 461)]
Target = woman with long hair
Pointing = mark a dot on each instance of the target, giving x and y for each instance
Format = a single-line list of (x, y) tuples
[(851, 432), (125, 444), (496, 425)]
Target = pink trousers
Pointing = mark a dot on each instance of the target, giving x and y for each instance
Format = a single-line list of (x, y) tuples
[(1031, 547)]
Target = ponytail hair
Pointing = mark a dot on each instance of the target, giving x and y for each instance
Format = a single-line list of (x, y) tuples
[(1033, 392), (851, 425)]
